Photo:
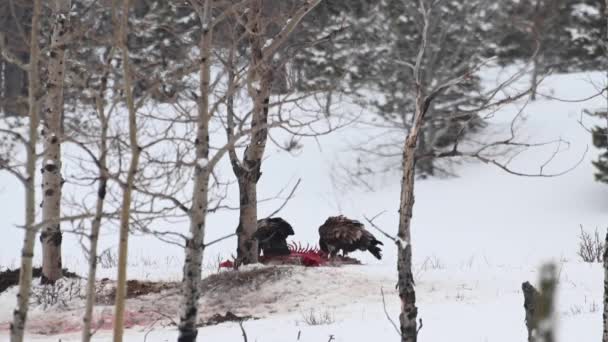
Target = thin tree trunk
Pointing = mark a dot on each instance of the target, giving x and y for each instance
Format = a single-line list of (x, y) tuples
[(121, 282), (545, 306), (246, 245), (191, 281), (51, 135), (605, 314), (247, 250), (530, 299), (96, 223), (259, 85), (534, 82), (17, 327), (405, 282)]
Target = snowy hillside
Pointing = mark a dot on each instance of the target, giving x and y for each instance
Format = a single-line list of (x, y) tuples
[(476, 238)]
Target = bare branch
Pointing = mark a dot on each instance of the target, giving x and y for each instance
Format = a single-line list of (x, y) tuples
[(371, 222), (287, 199), (219, 240), (387, 314), (292, 23), (243, 331), (8, 56)]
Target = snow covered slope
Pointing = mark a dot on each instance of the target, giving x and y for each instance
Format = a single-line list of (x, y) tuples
[(476, 237)]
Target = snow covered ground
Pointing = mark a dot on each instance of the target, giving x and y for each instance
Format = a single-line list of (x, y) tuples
[(476, 238)]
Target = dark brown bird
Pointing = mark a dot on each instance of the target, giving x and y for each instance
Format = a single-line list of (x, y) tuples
[(272, 236), (341, 233)]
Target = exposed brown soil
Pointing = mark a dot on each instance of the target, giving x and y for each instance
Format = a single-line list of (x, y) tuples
[(10, 277), (135, 288), (255, 278), (228, 317)]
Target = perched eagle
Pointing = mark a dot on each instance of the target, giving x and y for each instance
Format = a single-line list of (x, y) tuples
[(272, 236), (341, 233)]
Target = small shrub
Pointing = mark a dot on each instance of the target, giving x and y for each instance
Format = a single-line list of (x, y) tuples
[(594, 307), (318, 318), (61, 293), (590, 247), (108, 259)]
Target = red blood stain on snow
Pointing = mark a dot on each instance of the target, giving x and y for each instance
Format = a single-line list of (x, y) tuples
[(298, 255), (68, 322)]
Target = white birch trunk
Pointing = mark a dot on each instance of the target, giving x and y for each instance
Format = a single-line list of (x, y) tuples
[(121, 282), (605, 314), (96, 223), (51, 137), (195, 244), (17, 327)]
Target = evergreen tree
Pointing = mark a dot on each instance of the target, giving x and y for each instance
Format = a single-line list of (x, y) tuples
[(14, 17), (370, 46), (567, 33), (589, 29), (600, 140)]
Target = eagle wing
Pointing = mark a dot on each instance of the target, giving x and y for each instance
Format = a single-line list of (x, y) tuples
[(271, 227), (339, 229), (272, 236), (339, 232)]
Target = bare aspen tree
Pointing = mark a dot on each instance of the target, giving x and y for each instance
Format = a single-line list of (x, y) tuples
[(540, 306), (198, 212), (530, 299), (102, 186), (405, 282), (424, 94), (605, 262), (541, 14), (545, 306), (121, 282), (50, 236), (259, 82), (605, 314), (17, 327)]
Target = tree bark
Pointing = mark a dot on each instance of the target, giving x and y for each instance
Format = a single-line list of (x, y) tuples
[(191, 281), (51, 135), (17, 327), (121, 282), (247, 250), (534, 82), (545, 306), (259, 84), (605, 314), (405, 282), (530, 299), (96, 223)]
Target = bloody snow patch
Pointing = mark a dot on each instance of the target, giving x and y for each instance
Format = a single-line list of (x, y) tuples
[(293, 290), (301, 255), (70, 322), (253, 291)]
